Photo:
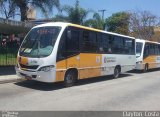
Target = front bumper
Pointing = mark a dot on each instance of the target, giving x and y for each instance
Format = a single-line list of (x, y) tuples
[(139, 66), (37, 75)]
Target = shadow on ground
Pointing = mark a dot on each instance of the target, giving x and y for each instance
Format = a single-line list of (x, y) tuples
[(7, 70), (141, 71), (56, 86)]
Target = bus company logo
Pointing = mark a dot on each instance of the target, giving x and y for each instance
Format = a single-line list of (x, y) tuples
[(33, 62), (110, 60)]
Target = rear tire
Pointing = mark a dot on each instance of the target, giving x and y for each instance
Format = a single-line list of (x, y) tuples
[(116, 72), (70, 78), (145, 68)]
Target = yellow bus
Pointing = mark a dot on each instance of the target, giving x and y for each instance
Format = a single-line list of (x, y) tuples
[(147, 55), (67, 52)]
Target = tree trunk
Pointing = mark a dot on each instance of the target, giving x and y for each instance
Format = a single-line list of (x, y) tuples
[(23, 13), (23, 9)]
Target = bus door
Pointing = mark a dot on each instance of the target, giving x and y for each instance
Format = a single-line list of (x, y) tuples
[(72, 48)]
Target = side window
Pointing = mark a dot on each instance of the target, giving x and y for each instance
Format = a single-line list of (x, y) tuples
[(110, 44), (73, 41), (152, 50), (103, 42), (118, 46), (159, 49), (86, 45), (129, 45), (156, 49), (89, 43), (100, 43), (146, 50)]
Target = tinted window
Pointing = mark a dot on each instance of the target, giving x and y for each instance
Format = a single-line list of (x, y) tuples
[(146, 50), (129, 45), (159, 49), (118, 46), (103, 42), (73, 42), (89, 43), (152, 49), (156, 49)]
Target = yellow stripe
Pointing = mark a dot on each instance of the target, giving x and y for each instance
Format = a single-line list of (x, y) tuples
[(83, 27)]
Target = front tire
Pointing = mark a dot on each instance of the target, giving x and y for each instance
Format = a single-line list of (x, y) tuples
[(70, 78)]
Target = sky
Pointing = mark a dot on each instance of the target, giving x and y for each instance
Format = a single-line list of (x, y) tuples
[(113, 6)]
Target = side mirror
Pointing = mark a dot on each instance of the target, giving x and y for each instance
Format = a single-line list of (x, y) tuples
[(69, 35)]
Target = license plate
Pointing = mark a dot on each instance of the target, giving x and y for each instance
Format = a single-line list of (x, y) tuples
[(28, 77)]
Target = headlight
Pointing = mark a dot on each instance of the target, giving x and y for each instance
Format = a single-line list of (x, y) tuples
[(139, 62), (46, 68)]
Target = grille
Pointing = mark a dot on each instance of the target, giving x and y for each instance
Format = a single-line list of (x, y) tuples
[(29, 67), (33, 76)]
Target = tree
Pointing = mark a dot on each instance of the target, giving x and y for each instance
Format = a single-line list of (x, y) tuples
[(156, 36), (23, 5), (60, 18), (8, 8), (142, 24), (118, 23), (75, 14), (95, 22)]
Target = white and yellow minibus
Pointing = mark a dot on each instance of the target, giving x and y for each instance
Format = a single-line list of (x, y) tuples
[(147, 55), (67, 52)]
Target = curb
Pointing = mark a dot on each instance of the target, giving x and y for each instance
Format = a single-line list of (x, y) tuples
[(9, 79)]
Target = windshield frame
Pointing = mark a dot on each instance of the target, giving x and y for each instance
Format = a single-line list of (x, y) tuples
[(53, 36)]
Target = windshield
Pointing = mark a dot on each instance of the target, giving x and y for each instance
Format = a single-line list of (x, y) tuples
[(138, 49), (39, 42)]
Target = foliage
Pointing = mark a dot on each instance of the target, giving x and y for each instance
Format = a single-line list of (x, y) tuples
[(118, 23), (95, 22), (60, 18), (75, 14), (142, 24), (156, 36), (8, 8), (23, 5)]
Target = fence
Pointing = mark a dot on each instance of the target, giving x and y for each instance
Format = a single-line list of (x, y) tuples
[(8, 52)]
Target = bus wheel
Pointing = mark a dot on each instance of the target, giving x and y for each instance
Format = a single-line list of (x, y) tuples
[(70, 78), (145, 68), (116, 72)]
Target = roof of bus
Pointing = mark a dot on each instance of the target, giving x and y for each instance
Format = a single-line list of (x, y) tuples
[(142, 40), (79, 26)]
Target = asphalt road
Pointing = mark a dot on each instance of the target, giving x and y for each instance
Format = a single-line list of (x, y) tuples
[(133, 91)]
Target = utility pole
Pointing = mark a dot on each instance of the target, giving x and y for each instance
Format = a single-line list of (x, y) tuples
[(103, 10)]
